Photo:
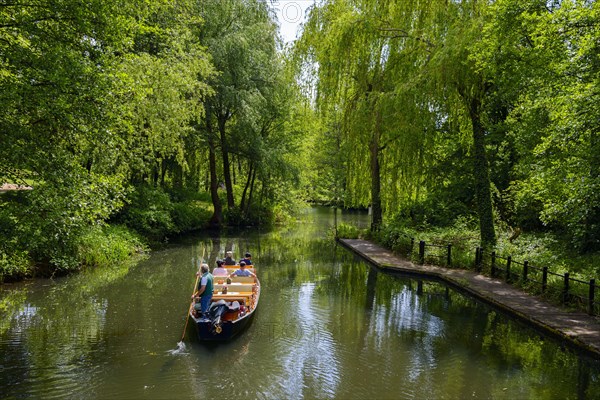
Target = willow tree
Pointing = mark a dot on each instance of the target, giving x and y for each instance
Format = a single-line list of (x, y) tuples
[(351, 62), (369, 57), (437, 37), (395, 71)]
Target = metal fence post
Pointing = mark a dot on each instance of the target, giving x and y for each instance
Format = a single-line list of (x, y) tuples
[(422, 252), (566, 288), (508, 262), (412, 246), (525, 270), (493, 263), (591, 297), (544, 279), (449, 255)]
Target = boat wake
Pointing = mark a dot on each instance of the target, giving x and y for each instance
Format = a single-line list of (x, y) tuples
[(181, 349)]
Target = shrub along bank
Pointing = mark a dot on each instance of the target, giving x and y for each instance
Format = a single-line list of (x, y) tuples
[(58, 242)]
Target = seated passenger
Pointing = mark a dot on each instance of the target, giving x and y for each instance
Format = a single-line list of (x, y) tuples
[(242, 271), (220, 270), (229, 258), (247, 259)]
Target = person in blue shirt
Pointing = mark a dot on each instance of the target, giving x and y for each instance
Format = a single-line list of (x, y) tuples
[(247, 259), (242, 271)]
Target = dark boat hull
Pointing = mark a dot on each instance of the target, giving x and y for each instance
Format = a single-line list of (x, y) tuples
[(229, 329)]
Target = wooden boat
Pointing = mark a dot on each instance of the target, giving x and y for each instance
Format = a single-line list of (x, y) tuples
[(230, 312)]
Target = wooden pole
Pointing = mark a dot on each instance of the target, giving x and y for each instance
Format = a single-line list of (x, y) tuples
[(193, 291)]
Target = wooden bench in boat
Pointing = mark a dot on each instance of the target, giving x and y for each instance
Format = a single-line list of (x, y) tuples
[(220, 280), (230, 271), (235, 287), (242, 279), (243, 297)]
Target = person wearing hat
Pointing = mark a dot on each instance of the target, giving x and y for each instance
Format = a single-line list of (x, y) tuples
[(247, 259), (229, 258), (204, 292), (242, 271), (220, 270)]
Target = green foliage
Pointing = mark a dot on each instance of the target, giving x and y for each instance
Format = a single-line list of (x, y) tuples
[(444, 89), (156, 214), (250, 124), (348, 231), (394, 104), (14, 266), (93, 95), (108, 245), (148, 212), (191, 215), (56, 212), (546, 58)]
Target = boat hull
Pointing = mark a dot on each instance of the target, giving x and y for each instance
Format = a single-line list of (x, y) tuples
[(229, 329)]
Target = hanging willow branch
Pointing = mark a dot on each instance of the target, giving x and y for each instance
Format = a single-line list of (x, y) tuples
[(396, 33)]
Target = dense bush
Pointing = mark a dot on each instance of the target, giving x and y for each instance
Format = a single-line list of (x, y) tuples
[(105, 245), (14, 266), (45, 222), (190, 215), (56, 229), (348, 231), (156, 214), (148, 211)]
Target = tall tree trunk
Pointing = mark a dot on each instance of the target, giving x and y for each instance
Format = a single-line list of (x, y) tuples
[(481, 173), (222, 120), (177, 174), (251, 191), (217, 217), (591, 235), (163, 171), (376, 211), (243, 200)]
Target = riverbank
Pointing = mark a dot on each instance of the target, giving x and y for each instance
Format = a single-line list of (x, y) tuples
[(576, 329)]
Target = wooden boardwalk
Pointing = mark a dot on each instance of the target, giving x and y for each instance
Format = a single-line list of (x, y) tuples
[(577, 329)]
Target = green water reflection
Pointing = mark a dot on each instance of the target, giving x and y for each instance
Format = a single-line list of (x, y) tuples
[(328, 326)]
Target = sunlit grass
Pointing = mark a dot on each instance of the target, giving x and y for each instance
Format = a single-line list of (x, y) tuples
[(104, 246)]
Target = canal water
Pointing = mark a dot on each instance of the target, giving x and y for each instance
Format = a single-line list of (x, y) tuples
[(328, 326)]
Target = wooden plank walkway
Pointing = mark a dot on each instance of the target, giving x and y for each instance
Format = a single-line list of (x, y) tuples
[(577, 329)]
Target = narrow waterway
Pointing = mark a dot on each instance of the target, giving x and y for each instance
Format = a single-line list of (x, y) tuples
[(328, 326)]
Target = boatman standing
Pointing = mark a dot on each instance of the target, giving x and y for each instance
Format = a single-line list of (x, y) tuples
[(205, 290)]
